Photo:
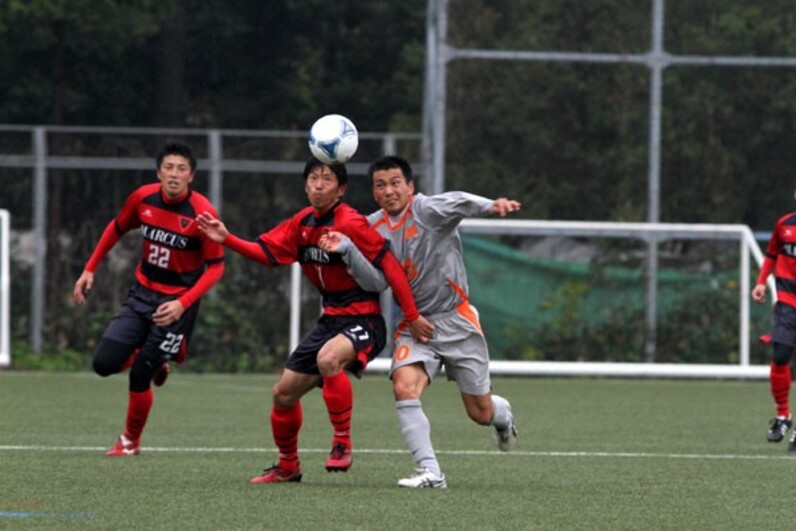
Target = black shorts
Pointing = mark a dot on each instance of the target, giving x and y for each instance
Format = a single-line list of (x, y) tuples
[(367, 333), (784, 329), (133, 326)]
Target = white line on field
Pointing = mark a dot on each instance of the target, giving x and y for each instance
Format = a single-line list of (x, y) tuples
[(210, 450)]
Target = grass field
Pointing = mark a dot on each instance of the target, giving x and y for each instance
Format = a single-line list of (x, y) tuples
[(592, 454)]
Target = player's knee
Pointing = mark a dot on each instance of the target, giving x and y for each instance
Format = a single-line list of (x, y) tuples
[(406, 390), (110, 356), (282, 396), (329, 365), (103, 368)]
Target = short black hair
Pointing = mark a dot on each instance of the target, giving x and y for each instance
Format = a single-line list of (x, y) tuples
[(338, 169), (177, 148), (389, 162)]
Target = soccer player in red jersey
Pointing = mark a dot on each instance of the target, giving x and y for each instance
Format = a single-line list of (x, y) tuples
[(178, 265), (351, 330), (781, 260)]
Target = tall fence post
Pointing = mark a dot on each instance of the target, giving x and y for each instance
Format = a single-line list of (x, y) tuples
[(39, 236), (216, 185)]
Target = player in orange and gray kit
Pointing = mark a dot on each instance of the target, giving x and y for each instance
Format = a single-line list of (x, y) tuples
[(781, 260), (178, 265), (423, 233)]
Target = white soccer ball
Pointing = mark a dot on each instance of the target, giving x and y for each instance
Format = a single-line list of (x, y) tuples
[(333, 139)]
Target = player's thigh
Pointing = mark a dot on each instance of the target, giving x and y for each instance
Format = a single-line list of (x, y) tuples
[(126, 332), (467, 363), (167, 343), (337, 351), (356, 341)]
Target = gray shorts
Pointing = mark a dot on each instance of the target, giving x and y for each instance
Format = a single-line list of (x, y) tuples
[(458, 345)]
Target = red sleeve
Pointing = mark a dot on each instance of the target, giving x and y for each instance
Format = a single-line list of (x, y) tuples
[(369, 242), (251, 250), (125, 221), (212, 274), (768, 267), (109, 237), (395, 275)]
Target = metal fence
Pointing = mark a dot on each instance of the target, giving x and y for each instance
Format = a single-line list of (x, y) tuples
[(218, 156)]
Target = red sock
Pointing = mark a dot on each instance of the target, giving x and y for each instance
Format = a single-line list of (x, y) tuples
[(339, 397), (285, 426), (138, 407), (780, 378)]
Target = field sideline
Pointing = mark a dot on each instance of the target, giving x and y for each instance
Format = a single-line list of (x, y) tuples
[(592, 454)]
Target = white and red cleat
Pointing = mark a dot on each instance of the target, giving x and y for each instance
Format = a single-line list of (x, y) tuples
[(275, 474), (340, 458), (123, 447)]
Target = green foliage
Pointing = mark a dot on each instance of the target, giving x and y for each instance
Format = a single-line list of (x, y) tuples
[(570, 140)]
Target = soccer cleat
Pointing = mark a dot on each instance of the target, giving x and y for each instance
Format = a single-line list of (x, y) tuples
[(123, 447), (506, 438), (792, 444), (423, 478), (161, 375), (340, 458), (275, 474), (779, 428)]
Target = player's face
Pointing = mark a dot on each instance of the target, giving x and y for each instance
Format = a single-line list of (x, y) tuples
[(322, 188), (175, 175), (391, 191)]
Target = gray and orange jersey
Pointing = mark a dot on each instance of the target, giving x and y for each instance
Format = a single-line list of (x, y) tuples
[(425, 240)]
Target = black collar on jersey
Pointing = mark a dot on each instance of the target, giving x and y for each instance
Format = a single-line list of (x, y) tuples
[(319, 221)]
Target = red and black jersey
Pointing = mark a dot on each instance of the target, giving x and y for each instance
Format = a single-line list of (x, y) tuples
[(296, 240), (781, 259), (177, 258)]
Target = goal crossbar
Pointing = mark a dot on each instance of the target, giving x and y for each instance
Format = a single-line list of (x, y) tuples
[(650, 232)]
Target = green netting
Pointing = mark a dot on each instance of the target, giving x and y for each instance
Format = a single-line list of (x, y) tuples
[(538, 308)]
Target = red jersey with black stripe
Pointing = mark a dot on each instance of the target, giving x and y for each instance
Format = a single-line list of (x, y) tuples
[(781, 250), (296, 240), (175, 253)]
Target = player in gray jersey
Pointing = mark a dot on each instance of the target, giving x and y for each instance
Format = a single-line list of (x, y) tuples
[(423, 234)]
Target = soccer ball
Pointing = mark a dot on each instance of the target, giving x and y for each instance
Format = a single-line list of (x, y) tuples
[(333, 139)]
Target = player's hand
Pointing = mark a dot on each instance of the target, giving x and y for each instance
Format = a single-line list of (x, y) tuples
[(212, 227), (759, 293), (168, 313), (331, 241), (422, 330), (502, 206), (83, 287)]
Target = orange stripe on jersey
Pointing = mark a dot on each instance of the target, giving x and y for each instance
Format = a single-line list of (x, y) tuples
[(464, 309), (385, 220)]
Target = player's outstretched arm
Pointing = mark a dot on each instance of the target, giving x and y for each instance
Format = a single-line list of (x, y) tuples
[(366, 274), (212, 227), (503, 207)]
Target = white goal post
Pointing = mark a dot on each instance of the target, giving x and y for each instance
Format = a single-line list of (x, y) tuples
[(5, 288), (638, 231)]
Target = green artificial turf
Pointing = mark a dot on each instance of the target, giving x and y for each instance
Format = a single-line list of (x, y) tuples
[(592, 454)]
